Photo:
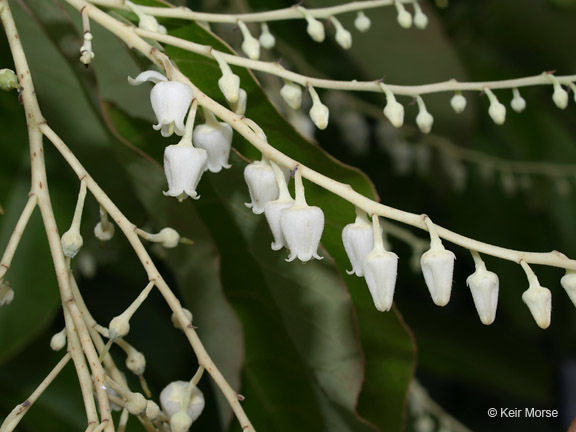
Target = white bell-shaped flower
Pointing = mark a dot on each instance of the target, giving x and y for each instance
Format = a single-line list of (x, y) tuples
[(437, 267), (172, 397), (216, 138), (292, 94), (458, 102), (262, 185), (380, 269), (568, 282), (170, 101), (358, 239), (183, 166), (362, 22), (302, 226), (484, 286), (273, 209)]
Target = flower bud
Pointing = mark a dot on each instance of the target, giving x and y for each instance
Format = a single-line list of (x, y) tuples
[(343, 36), (153, 411), (568, 282), (362, 22), (239, 107), (404, 18), (148, 22), (267, 39), (229, 85), (262, 185), (180, 422), (539, 301), (292, 95), (438, 266), (484, 286), (420, 18), (319, 114), (8, 80), (315, 29), (176, 322), (104, 232), (183, 166), (560, 97), (394, 112), (216, 139), (172, 396), (496, 110), (380, 269), (58, 341), (424, 119), (168, 237), (119, 327), (136, 404), (518, 103), (458, 103), (358, 239), (136, 362), (71, 242), (6, 293)]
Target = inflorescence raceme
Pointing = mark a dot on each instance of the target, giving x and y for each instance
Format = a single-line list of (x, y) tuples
[(294, 224)]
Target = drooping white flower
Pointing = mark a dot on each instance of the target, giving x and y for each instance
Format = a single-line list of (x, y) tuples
[(568, 282), (273, 209), (458, 102), (437, 267), (267, 39), (380, 269), (216, 138), (171, 399), (484, 286), (393, 110), (170, 101), (292, 94), (358, 240), (183, 166), (262, 185), (362, 22), (302, 226)]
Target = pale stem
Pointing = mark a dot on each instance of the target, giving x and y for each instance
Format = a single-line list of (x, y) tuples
[(100, 427), (421, 104), (276, 15), (361, 216), (11, 421), (17, 234), (274, 68), (377, 232), (79, 207), (210, 118), (300, 197), (532, 278), (187, 137), (435, 242), (104, 221), (491, 96), (123, 420), (284, 193), (516, 93), (314, 95), (131, 310), (478, 261)]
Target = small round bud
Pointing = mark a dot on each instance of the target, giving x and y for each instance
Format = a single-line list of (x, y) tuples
[(251, 47), (343, 36), (404, 18), (424, 120), (71, 242), (568, 282), (292, 95), (458, 103), (518, 103), (6, 293), (119, 327), (168, 237), (560, 97), (104, 233), (229, 85), (394, 112), (58, 341), (136, 362), (175, 321), (267, 39), (180, 422), (136, 404), (319, 114), (152, 411), (420, 19), (362, 22), (316, 30), (498, 112), (8, 80), (173, 394)]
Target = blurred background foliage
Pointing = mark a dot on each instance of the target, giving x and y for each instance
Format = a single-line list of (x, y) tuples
[(303, 343)]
